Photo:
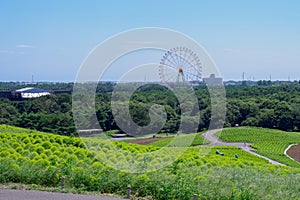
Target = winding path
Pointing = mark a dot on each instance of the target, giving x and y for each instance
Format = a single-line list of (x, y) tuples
[(214, 141)]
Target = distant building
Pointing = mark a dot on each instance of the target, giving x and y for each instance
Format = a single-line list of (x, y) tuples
[(212, 80), (28, 93), (194, 83)]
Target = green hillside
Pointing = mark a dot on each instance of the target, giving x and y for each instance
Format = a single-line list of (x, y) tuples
[(32, 157)]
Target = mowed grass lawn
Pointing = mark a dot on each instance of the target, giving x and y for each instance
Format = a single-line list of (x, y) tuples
[(268, 142)]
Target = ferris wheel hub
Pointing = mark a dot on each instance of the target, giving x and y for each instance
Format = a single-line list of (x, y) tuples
[(180, 69)]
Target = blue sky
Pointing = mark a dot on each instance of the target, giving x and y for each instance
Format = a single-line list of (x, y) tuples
[(50, 39)]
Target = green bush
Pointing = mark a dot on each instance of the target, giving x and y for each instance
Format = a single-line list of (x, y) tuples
[(46, 145)]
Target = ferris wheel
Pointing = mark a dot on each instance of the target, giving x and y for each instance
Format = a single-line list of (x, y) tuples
[(180, 65)]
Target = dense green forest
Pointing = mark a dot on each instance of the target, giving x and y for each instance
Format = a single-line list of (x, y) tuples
[(263, 105)]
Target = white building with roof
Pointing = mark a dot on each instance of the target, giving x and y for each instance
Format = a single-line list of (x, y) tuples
[(29, 92)]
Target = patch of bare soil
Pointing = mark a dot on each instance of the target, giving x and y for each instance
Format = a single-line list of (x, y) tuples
[(294, 152)]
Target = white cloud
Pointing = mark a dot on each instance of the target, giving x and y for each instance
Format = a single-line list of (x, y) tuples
[(4, 51), (24, 46)]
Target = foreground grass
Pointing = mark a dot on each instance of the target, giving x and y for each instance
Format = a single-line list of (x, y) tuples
[(41, 160), (268, 142)]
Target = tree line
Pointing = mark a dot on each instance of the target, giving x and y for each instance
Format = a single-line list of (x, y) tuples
[(269, 106)]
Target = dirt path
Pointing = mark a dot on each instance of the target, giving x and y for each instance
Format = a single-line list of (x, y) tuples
[(8, 194), (214, 141)]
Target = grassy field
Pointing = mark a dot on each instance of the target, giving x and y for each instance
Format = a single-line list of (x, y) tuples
[(89, 164), (268, 142), (198, 140), (163, 141)]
